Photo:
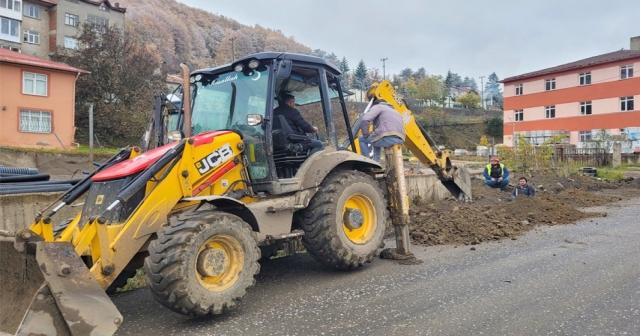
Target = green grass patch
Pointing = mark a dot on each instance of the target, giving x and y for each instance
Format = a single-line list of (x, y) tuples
[(97, 150), (611, 174), (136, 282)]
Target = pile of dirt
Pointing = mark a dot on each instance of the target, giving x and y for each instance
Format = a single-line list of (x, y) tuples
[(492, 216)]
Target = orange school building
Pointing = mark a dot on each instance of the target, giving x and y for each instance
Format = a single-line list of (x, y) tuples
[(577, 99), (37, 101)]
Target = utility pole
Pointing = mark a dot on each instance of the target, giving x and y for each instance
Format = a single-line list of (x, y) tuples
[(482, 91), (384, 76), (233, 49)]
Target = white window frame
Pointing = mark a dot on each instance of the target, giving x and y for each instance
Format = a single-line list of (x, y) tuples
[(71, 19), (70, 42), (550, 112), (626, 103), (35, 121), (626, 71), (518, 115), (31, 11), (14, 5), (585, 78), (586, 108), (99, 23), (519, 91), (550, 84), (584, 136), (35, 78), (30, 36), (10, 27)]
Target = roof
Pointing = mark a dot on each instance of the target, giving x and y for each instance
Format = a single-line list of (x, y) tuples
[(615, 56), (176, 79), (116, 8), (276, 55), (8, 56)]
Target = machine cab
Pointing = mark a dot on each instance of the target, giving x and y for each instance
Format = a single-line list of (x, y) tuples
[(242, 96)]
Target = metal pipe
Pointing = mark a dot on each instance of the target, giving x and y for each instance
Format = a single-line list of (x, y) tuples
[(91, 137), (398, 199), (186, 100)]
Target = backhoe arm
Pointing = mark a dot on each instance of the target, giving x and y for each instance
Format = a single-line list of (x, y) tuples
[(456, 179)]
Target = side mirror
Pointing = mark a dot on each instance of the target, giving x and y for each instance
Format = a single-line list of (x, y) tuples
[(254, 119), (284, 69)]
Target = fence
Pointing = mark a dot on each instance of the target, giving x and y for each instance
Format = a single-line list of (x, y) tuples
[(596, 157)]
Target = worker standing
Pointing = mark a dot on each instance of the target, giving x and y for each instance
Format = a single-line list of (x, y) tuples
[(496, 175), (388, 129)]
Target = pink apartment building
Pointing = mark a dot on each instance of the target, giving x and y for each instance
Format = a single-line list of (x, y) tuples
[(577, 99)]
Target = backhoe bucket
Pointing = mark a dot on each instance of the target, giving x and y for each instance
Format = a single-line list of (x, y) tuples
[(460, 185), (46, 289)]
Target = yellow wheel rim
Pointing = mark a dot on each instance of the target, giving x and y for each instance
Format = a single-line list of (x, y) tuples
[(219, 262), (359, 219)]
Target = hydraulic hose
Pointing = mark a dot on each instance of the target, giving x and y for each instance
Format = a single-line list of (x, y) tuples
[(19, 170)]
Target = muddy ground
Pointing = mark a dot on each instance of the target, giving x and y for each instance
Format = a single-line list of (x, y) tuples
[(491, 216)]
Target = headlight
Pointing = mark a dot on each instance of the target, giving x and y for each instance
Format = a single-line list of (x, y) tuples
[(253, 64), (238, 68), (192, 79), (198, 78)]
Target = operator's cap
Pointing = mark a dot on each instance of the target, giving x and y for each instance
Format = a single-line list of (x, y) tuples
[(495, 159)]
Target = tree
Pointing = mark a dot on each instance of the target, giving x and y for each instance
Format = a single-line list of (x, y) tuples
[(411, 88), (360, 74), (405, 74), (124, 77), (344, 68), (495, 127), (493, 89), (431, 89), (420, 74), (470, 100), (484, 141)]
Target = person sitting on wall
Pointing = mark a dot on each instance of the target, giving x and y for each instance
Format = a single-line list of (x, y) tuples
[(523, 189), (496, 175)]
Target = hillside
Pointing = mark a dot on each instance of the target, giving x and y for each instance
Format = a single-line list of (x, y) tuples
[(198, 38)]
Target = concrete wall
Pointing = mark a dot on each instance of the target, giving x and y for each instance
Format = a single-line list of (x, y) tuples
[(40, 25), (19, 211), (82, 9)]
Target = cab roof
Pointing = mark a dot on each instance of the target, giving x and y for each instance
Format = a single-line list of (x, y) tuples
[(274, 55)]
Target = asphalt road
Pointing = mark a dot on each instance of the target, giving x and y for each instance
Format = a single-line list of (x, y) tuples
[(579, 279)]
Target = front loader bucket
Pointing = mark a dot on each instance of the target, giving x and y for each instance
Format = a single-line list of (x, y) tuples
[(46, 289), (460, 185)]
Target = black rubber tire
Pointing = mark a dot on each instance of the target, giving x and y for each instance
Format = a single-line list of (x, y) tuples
[(324, 236), (171, 266)]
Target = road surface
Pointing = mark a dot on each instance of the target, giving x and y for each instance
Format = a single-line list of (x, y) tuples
[(579, 279)]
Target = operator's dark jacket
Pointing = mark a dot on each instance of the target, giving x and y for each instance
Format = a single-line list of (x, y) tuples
[(294, 119), (527, 190)]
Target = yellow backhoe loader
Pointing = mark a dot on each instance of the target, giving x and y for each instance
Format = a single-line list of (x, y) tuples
[(196, 212)]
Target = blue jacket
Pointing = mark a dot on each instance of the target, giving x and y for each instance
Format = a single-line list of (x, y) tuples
[(486, 172)]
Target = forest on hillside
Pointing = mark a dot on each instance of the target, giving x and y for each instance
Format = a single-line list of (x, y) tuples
[(200, 39)]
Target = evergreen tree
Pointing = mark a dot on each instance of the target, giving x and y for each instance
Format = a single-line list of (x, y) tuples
[(344, 68), (492, 88), (360, 75)]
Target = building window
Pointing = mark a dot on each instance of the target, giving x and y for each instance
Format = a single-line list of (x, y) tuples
[(585, 78), (30, 36), (31, 11), (585, 108), (585, 136), (626, 71), (99, 23), (10, 28), (71, 20), (10, 4), (626, 103), (35, 121), (34, 84), (550, 84), (519, 115), (519, 90), (550, 112), (70, 42)]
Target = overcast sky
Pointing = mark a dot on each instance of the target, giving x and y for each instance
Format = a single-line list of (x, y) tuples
[(471, 37)]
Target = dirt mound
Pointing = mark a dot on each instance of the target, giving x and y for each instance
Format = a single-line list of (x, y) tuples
[(492, 216)]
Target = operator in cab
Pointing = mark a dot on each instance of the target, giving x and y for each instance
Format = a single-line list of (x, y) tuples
[(295, 120), (388, 129)]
